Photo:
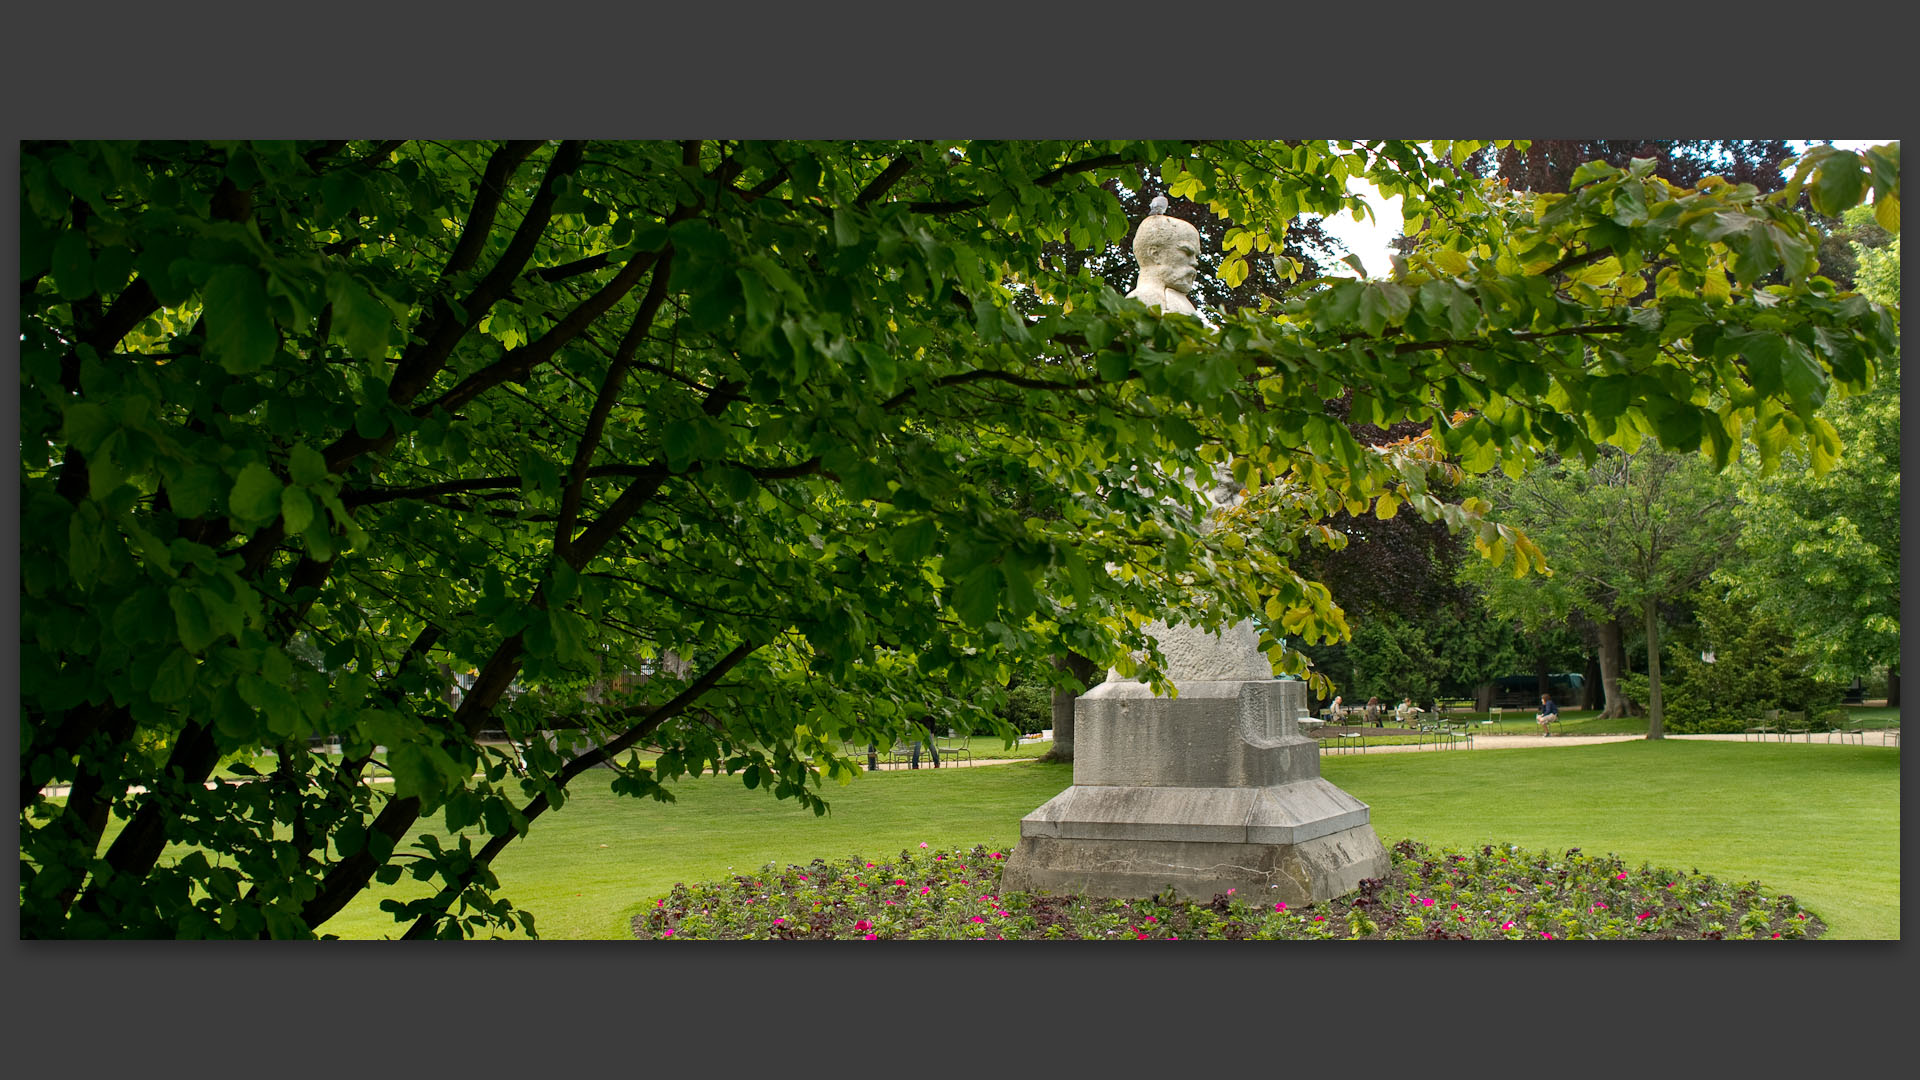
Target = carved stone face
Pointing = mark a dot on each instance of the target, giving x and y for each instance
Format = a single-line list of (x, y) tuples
[(1169, 249)]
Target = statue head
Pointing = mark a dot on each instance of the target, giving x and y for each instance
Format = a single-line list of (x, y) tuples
[(1168, 250)]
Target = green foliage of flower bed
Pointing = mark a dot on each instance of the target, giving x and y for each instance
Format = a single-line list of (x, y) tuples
[(1493, 892)]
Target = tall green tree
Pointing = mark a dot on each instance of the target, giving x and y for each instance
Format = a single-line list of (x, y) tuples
[(1820, 537), (404, 442), (1622, 536)]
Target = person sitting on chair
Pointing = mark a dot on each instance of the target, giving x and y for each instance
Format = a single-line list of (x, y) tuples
[(1374, 713), (1405, 712), (1549, 712)]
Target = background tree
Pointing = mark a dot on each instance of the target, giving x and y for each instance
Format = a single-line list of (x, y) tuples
[(1550, 164), (1624, 535), (310, 430), (1820, 537)]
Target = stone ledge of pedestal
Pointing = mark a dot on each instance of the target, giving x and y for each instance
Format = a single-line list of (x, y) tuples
[(1285, 814), (1318, 869), (1229, 733)]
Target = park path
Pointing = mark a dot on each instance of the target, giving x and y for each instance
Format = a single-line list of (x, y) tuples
[(1523, 742), (1480, 742)]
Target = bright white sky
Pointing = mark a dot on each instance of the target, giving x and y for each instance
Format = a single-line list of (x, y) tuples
[(1369, 240)]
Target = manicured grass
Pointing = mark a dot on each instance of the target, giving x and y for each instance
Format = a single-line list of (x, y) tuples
[(586, 868), (1822, 825)]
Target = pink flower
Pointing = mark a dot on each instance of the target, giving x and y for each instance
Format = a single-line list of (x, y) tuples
[(1319, 918), (889, 903), (1153, 918), (938, 858), (1229, 892), (977, 918), (1508, 925), (1548, 934), (1776, 935), (1621, 876), (1143, 936), (925, 889), (669, 933), (779, 921), (869, 866), (873, 937), (1428, 902), (899, 881), (803, 877), (1643, 915), (863, 924), (1280, 906), (1598, 906), (923, 843), (1451, 907), (998, 855)]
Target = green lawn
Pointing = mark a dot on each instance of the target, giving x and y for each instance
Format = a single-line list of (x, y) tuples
[(1820, 824)]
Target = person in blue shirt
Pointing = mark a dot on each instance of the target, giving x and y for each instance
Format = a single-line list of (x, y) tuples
[(1549, 712)]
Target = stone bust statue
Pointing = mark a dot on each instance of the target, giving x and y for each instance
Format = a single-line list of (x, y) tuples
[(1168, 251)]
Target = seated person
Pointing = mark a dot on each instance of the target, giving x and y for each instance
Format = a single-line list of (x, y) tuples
[(1549, 712), (1406, 712), (1374, 713)]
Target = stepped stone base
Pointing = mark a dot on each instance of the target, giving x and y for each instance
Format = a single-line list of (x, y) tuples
[(1210, 791)]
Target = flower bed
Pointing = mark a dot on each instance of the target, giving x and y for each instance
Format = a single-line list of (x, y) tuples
[(1495, 892)]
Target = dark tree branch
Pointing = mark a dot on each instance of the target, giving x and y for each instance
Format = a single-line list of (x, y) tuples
[(1047, 179), (653, 717), (609, 392), (888, 177)]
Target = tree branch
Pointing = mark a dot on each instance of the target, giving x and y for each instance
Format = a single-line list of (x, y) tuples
[(1047, 179), (653, 716), (609, 391)]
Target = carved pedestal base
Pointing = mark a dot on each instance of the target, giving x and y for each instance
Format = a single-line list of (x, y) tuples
[(1213, 790)]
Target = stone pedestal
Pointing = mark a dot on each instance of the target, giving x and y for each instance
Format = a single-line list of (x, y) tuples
[(1214, 789)]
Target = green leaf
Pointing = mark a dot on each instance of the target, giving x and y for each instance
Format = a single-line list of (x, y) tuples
[(1838, 183), (976, 598), (86, 426), (240, 335), (413, 773), (72, 266), (255, 498), (173, 681), (1590, 171), (296, 509), (363, 321), (83, 547), (1383, 303), (190, 619), (1114, 366), (306, 465)]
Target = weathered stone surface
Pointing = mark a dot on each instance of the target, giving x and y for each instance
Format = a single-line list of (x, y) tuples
[(1302, 873), (1215, 734)]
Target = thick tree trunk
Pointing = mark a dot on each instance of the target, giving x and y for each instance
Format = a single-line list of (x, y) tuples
[(1610, 657), (1654, 730), (1590, 685), (1083, 670)]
